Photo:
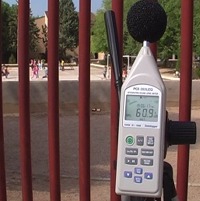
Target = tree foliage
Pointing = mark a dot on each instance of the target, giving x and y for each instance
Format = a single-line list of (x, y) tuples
[(5, 31), (68, 29), (10, 31), (196, 25), (33, 33), (45, 35), (170, 42), (98, 38), (98, 42)]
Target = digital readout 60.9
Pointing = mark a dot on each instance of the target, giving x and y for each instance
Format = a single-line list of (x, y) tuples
[(141, 108)]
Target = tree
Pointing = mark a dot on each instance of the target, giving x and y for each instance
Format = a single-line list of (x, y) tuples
[(131, 47), (5, 31), (33, 33), (168, 44), (10, 26), (196, 26), (99, 39), (68, 29), (45, 37)]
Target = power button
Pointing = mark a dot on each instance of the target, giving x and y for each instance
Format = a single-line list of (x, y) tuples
[(130, 140)]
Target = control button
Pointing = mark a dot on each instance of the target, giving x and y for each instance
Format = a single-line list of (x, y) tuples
[(131, 161), (150, 141), (148, 175), (138, 179), (130, 140), (128, 174), (147, 152), (138, 170), (140, 140), (147, 162), (131, 151)]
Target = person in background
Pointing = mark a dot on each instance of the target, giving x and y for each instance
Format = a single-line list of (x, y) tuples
[(4, 71), (35, 70), (45, 72), (62, 64), (39, 64), (104, 72), (31, 65)]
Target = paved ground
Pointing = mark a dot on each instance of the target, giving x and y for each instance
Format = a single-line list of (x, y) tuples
[(100, 128), (100, 149)]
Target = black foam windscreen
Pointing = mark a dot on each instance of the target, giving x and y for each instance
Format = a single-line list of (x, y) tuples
[(146, 21)]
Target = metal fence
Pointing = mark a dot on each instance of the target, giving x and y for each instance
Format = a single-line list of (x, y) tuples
[(84, 104)]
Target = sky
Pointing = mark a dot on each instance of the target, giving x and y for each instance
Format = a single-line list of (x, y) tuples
[(38, 7)]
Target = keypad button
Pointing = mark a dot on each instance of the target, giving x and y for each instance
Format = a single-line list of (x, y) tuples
[(138, 170), (147, 162), (131, 161), (140, 140), (147, 152), (150, 141), (130, 140), (138, 179), (131, 151), (148, 175), (128, 174)]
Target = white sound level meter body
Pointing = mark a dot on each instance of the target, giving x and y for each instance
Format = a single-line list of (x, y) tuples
[(141, 140)]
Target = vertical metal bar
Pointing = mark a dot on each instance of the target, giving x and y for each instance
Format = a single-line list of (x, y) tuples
[(185, 93), (117, 7), (153, 47), (24, 100), (53, 99), (3, 196), (84, 99)]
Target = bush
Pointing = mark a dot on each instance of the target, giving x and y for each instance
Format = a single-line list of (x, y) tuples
[(196, 73)]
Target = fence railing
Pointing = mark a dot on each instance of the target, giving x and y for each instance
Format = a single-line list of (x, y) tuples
[(84, 102)]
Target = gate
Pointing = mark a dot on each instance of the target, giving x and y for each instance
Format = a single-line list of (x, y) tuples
[(84, 104)]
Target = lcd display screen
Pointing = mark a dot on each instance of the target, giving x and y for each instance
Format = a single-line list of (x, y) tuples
[(141, 108)]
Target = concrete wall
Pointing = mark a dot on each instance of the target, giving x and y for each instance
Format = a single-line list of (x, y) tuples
[(68, 92), (173, 92)]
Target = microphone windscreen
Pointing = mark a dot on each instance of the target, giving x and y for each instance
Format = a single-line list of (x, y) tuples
[(146, 21)]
